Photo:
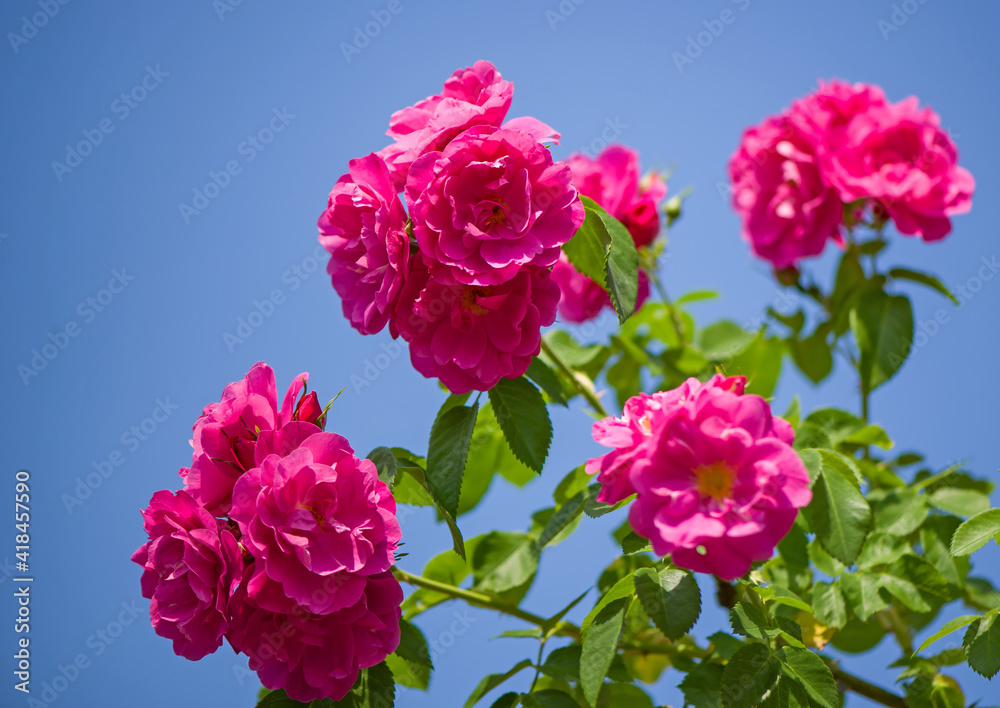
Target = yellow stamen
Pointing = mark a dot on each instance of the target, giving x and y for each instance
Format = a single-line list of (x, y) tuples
[(715, 480)]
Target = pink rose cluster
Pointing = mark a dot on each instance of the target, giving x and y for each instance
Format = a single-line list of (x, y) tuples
[(463, 271), (716, 482), (845, 144), (612, 180), (281, 542)]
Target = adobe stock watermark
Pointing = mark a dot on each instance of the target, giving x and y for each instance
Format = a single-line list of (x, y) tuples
[(97, 642), (248, 149), (131, 439), (261, 310), (925, 330), (223, 7), (364, 34), (714, 28), (122, 107), (30, 26), (562, 12), (87, 311), (899, 16)]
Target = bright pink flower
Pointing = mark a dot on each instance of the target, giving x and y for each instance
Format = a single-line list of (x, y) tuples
[(225, 436), (828, 110), (476, 95), (492, 202), (191, 564), (899, 155), (316, 519), (717, 482), (581, 298), (472, 336), (319, 656), (364, 230), (612, 180), (789, 211)]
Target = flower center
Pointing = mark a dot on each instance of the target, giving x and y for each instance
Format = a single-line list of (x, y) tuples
[(715, 480), (469, 296), (495, 216)]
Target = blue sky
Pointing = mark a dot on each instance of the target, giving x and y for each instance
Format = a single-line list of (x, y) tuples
[(136, 293)]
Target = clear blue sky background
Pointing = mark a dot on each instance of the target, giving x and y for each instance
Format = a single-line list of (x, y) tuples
[(161, 338)]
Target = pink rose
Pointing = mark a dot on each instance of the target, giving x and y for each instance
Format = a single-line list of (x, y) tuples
[(789, 211), (612, 180), (492, 202), (364, 230), (581, 298), (898, 155), (472, 336), (316, 519), (717, 482), (827, 111), (475, 95), (319, 656), (191, 564), (225, 436)]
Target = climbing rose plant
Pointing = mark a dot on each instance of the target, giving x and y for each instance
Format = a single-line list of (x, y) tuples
[(468, 240)]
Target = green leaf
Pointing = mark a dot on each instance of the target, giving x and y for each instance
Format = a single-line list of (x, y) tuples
[(794, 412), (603, 250), (278, 699), (491, 681), (547, 379), (561, 519), (883, 328), (622, 695), (447, 452), (524, 419), (747, 620), (899, 512), (624, 588), (828, 604), (862, 592), (960, 502), (870, 435), (507, 700), (881, 549), (563, 664), (812, 355), (504, 560), (549, 698), (634, 543), (411, 662), (761, 364), (751, 673), (696, 296), (974, 533), (838, 424), (723, 340), (935, 540), (812, 674), (924, 279), (813, 462), (702, 687), (595, 509), (385, 463), (600, 645), (671, 598), (948, 627), (588, 249), (839, 515), (982, 645)]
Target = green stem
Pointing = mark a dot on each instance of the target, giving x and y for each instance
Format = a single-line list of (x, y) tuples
[(675, 318), (482, 600), (568, 373), (863, 688)]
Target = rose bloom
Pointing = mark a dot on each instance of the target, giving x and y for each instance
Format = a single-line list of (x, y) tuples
[(492, 202), (789, 211), (831, 107), (717, 482), (899, 155), (191, 564), (612, 180), (319, 656), (472, 336), (316, 519), (476, 95), (364, 230), (225, 435), (581, 298)]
